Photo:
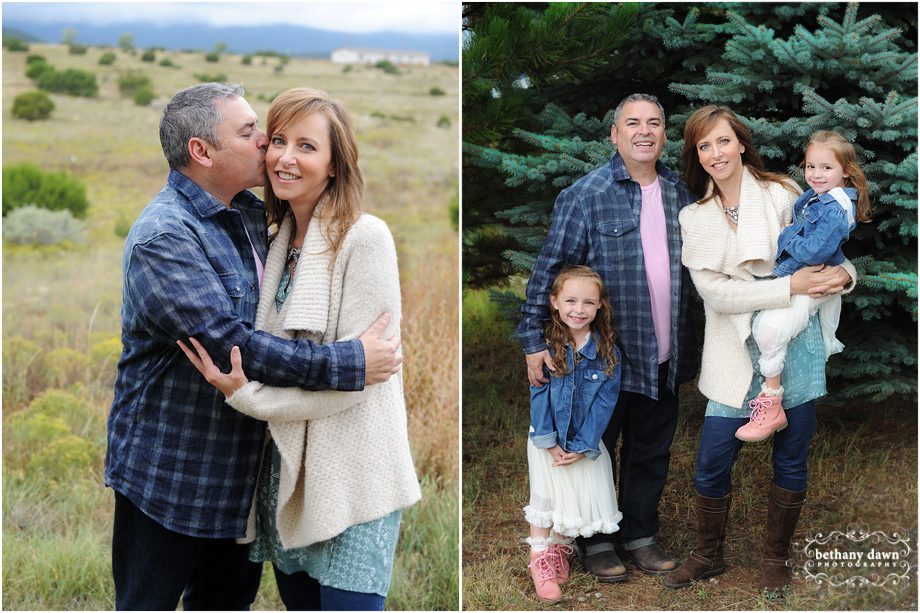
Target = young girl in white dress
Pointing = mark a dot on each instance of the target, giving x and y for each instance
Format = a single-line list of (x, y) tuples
[(571, 484)]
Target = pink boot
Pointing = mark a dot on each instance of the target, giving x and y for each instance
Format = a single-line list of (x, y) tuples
[(767, 417), (544, 576), (560, 553)]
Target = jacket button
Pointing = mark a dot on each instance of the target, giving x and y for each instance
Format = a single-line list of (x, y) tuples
[(594, 377)]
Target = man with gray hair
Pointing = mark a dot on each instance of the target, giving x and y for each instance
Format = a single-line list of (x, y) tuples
[(621, 220), (183, 464)]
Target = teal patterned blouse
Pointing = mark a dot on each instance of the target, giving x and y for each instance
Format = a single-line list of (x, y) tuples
[(360, 559), (802, 378)]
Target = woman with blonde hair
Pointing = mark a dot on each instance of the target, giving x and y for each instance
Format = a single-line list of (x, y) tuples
[(730, 248), (337, 469)]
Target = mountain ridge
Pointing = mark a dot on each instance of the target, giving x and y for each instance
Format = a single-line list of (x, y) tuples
[(284, 38)]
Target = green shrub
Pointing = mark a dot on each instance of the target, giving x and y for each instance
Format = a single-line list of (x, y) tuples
[(107, 59), (212, 57), (28, 431), (148, 56), (387, 66), (36, 69), (25, 184), (122, 226), (65, 459), (247, 60), (443, 121), (105, 351), (72, 81), (79, 415), (31, 225), (348, 68), (168, 63), (65, 366), (76, 49), (436, 91), (204, 77), (133, 80), (23, 370), (16, 44), (144, 96), (35, 58), (32, 106)]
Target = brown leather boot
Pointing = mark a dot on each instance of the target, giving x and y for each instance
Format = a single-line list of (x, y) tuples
[(783, 513), (706, 558)]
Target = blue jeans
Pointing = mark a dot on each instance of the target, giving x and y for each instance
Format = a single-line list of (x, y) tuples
[(719, 449), (301, 592), (153, 566), (647, 428)]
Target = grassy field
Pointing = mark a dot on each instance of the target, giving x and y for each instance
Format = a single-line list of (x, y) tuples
[(863, 470), (61, 319)]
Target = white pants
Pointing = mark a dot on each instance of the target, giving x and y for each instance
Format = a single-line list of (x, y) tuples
[(773, 329)]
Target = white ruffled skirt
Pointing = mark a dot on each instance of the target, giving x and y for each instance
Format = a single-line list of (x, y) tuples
[(575, 500)]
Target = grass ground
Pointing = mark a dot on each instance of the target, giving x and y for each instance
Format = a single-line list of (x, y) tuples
[(61, 309), (863, 470)]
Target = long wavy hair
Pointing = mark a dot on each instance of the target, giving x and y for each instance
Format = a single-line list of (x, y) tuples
[(845, 153), (558, 336), (340, 204), (700, 123)]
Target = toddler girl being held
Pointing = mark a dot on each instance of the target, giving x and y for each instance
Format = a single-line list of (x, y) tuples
[(571, 484), (823, 218)]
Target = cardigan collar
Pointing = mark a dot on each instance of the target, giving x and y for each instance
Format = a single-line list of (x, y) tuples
[(709, 235), (306, 308)]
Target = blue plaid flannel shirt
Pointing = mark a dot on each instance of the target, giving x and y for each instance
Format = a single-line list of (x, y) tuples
[(175, 449), (596, 223)]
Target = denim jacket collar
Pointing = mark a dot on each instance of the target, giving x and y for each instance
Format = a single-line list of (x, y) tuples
[(589, 349)]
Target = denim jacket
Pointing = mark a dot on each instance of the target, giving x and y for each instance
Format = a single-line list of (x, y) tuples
[(573, 410), (820, 226)]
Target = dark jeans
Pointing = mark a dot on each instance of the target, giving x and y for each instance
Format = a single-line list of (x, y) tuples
[(153, 567), (301, 592), (648, 429), (719, 448)]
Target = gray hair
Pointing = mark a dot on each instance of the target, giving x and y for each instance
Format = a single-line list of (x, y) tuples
[(636, 98), (192, 114)]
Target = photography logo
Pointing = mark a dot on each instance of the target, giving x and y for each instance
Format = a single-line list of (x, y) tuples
[(857, 558)]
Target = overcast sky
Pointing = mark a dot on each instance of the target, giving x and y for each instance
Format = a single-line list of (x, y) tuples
[(432, 16)]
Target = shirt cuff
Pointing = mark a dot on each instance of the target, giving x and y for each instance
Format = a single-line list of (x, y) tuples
[(347, 366), (544, 441)]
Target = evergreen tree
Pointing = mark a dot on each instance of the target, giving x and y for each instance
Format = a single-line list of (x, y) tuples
[(787, 70)]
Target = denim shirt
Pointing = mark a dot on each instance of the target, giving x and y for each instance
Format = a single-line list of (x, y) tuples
[(573, 410), (175, 449), (820, 226), (596, 223)]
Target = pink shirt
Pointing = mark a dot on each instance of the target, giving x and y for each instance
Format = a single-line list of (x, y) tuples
[(654, 234)]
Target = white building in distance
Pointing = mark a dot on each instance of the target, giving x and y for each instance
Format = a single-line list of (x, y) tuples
[(351, 55)]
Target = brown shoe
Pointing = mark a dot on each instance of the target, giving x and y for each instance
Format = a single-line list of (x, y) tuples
[(604, 565), (651, 559), (706, 558), (783, 512)]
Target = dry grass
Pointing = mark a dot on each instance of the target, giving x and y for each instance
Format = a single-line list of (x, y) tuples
[(863, 468)]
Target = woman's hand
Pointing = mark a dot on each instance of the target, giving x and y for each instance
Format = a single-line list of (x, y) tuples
[(226, 383), (563, 458), (817, 281)]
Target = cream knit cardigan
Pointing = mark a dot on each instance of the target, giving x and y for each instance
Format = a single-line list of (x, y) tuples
[(345, 456), (732, 273)]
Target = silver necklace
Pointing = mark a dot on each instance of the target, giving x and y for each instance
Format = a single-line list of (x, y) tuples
[(732, 213)]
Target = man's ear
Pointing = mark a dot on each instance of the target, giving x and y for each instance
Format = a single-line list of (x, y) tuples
[(200, 151)]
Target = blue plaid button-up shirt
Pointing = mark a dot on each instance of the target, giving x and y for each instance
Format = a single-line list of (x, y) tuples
[(175, 449), (596, 223)]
